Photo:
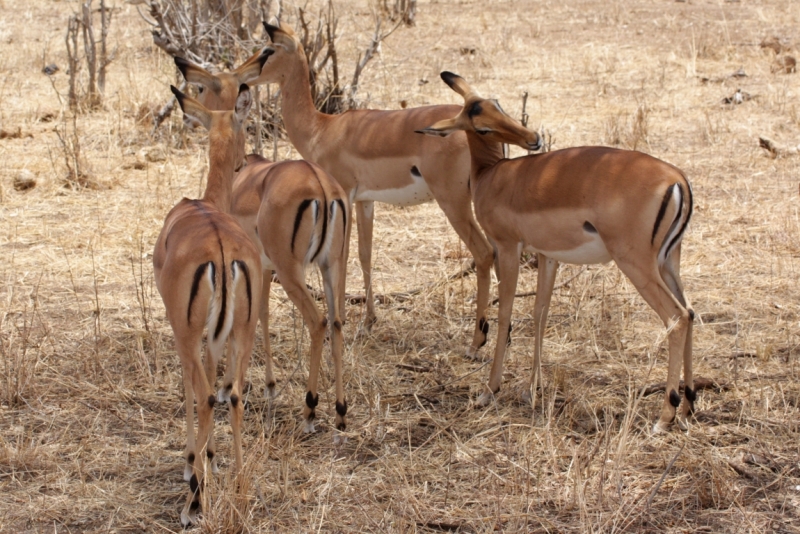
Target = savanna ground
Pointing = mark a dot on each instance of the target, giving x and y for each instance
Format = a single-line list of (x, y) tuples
[(91, 411)]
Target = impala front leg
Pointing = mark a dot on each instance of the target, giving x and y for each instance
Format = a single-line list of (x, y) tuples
[(508, 272), (546, 278), (365, 214)]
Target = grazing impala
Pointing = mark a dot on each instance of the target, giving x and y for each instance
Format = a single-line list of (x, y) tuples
[(207, 272), (278, 196), (578, 205), (375, 156), (297, 215)]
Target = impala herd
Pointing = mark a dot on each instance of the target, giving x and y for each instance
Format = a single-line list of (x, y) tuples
[(215, 256)]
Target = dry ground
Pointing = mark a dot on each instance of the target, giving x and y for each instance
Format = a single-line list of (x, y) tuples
[(91, 411)]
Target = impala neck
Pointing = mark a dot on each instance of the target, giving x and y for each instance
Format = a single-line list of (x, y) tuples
[(221, 167), (301, 118), (483, 154)]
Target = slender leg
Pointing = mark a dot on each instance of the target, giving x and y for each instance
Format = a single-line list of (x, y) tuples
[(192, 365), (190, 443), (365, 214), (676, 318), (293, 281), (330, 278), (459, 212), (269, 391), (546, 278), (508, 272), (343, 269), (670, 272), (210, 366)]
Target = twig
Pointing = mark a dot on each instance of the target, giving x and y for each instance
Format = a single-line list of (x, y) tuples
[(661, 480), (699, 383)]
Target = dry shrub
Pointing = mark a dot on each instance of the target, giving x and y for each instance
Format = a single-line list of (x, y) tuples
[(626, 130)]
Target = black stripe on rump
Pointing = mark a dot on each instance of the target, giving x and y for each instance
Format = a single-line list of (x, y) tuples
[(299, 218), (324, 230), (198, 275), (221, 319), (661, 211), (243, 266), (679, 233), (344, 215)]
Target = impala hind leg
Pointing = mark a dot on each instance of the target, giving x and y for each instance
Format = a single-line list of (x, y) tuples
[(507, 273), (330, 276), (545, 280), (210, 365), (293, 281), (670, 272), (189, 353), (459, 212), (365, 215), (189, 453), (676, 318), (269, 389)]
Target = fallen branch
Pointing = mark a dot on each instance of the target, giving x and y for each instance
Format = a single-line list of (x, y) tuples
[(776, 151), (699, 383), (661, 480)]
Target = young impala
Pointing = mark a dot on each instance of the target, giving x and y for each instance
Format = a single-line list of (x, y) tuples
[(304, 213), (578, 205), (375, 156), (207, 272)]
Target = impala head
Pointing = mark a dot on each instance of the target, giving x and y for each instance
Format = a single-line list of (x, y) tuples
[(287, 50), (484, 117), (218, 92), (226, 129)]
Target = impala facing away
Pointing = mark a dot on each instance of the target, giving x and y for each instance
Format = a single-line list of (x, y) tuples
[(208, 272), (578, 205), (297, 215), (278, 196), (375, 156)]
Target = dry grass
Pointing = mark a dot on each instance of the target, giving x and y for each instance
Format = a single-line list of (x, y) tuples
[(91, 414)]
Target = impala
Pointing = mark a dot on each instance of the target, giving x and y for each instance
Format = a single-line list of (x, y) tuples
[(301, 208), (375, 156), (207, 271), (578, 205), (297, 215)]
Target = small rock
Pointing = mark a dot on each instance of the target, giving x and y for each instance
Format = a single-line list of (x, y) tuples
[(155, 154), (785, 64), (50, 69), (24, 180), (737, 98)]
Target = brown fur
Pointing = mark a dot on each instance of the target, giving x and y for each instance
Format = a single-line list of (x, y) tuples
[(197, 233), (371, 152), (543, 203)]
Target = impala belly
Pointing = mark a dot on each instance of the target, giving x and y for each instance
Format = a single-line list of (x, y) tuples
[(566, 236), (592, 251), (410, 188)]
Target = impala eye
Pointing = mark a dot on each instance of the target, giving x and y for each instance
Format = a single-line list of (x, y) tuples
[(200, 89), (483, 131)]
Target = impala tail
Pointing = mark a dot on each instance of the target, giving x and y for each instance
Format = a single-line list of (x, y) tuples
[(678, 197), (219, 286)]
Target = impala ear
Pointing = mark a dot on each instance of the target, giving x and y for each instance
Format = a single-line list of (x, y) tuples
[(192, 109), (442, 128), (197, 74), (282, 36), (457, 84), (243, 103), (251, 69)]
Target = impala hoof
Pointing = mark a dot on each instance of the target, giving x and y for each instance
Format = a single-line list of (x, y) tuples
[(339, 438), (270, 392), (473, 354), (188, 518), (660, 428), (484, 400), (187, 473), (526, 396), (308, 427)]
